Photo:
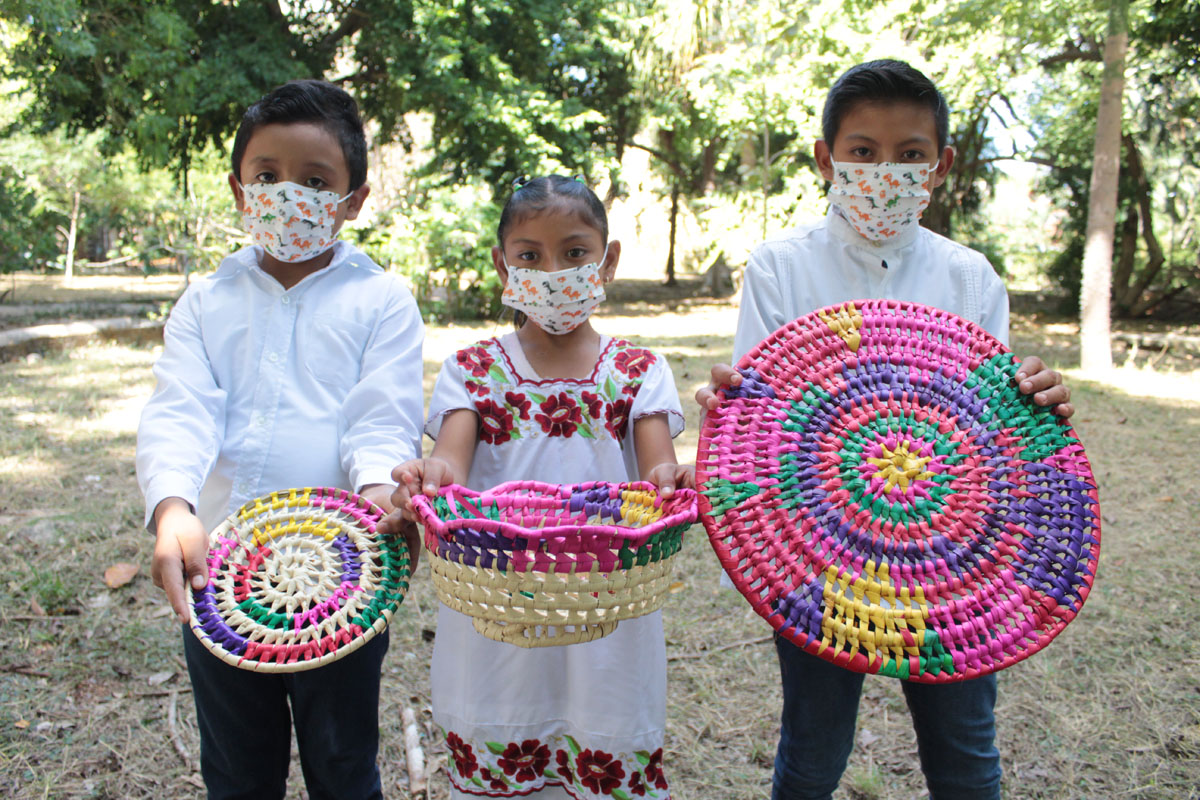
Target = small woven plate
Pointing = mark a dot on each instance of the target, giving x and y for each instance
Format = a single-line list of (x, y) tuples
[(299, 579), (883, 495), (538, 564)]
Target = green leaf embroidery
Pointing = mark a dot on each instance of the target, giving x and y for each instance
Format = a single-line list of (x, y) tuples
[(585, 431), (475, 780), (620, 795), (610, 388), (497, 374), (643, 757), (496, 748), (572, 745), (537, 398), (514, 433), (549, 773)]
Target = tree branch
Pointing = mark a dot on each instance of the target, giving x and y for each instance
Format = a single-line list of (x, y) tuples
[(351, 23), (1078, 50)]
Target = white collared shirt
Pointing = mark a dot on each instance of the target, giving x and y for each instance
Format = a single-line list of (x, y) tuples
[(829, 262), (261, 388)]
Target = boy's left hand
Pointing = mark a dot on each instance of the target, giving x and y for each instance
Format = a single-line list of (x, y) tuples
[(669, 476), (380, 494), (1046, 386)]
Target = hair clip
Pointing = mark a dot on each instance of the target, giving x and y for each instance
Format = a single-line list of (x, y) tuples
[(581, 178), (519, 182)]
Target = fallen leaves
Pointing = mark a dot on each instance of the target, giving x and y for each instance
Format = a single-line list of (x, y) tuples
[(120, 574)]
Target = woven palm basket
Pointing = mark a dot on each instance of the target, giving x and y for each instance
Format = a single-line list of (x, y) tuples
[(882, 494), (538, 564), (298, 579)]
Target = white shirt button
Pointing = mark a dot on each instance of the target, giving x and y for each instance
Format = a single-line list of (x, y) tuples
[(285, 300), (273, 357)]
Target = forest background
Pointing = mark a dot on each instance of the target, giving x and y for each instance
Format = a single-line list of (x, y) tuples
[(694, 118)]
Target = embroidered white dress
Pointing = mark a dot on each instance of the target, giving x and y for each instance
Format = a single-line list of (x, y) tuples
[(583, 721)]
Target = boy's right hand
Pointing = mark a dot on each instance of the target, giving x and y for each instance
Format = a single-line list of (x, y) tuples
[(722, 375), (180, 552)]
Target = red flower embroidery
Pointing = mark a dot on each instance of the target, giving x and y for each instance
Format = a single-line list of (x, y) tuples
[(526, 760), (634, 362), (636, 786), (564, 766), (476, 388), (464, 756), (476, 359), (594, 404), (495, 781), (617, 417), (599, 771), (519, 403), (654, 770), (495, 423), (562, 415), (631, 389)]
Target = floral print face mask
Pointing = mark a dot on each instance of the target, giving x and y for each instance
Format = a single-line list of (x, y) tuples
[(883, 200), (293, 223), (558, 302)]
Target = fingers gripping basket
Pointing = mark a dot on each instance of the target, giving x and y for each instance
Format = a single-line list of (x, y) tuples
[(298, 579), (537, 564), (881, 492)]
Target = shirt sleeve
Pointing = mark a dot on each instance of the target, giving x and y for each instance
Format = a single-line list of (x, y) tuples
[(658, 395), (449, 394), (182, 426), (761, 310), (993, 305), (382, 411)]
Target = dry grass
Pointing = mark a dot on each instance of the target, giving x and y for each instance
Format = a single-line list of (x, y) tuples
[(1112, 709)]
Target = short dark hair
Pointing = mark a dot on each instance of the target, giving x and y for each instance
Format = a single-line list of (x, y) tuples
[(535, 196), (309, 101), (884, 81)]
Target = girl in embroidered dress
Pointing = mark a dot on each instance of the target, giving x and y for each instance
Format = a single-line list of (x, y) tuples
[(554, 401)]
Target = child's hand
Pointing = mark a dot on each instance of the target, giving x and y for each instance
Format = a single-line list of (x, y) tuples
[(397, 524), (1046, 386), (669, 476), (722, 375), (421, 475), (180, 550)]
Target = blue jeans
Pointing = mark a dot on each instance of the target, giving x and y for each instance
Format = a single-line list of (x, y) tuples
[(954, 724), (246, 725)]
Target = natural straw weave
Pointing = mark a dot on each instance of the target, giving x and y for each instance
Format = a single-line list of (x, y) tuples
[(537, 564), (881, 492), (299, 579)]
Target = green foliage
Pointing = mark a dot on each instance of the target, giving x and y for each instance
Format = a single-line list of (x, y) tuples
[(26, 236)]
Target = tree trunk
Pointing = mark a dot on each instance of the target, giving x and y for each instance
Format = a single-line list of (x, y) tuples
[(671, 245), (72, 234), (1095, 347)]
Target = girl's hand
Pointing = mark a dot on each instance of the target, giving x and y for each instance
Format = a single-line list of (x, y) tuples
[(1046, 386), (419, 476), (670, 475), (722, 375)]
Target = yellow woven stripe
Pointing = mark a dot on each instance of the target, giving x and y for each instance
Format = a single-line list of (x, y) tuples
[(868, 613), (637, 508), (844, 320)]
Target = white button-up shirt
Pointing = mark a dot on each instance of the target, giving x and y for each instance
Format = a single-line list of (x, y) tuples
[(261, 388), (829, 262)]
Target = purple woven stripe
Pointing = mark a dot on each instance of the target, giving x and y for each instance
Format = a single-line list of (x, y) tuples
[(351, 563), (214, 625), (597, 500), (803, 610), (752, 385)]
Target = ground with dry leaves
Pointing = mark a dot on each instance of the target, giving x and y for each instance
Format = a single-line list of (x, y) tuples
[(94, 700)]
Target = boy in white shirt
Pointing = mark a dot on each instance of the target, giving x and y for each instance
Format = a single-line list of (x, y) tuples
[(297, 363), (885, 128)]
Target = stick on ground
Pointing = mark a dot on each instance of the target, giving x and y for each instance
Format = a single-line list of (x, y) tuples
[(414, 754)]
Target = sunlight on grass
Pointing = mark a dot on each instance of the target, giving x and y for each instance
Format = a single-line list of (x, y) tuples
[(1146, 382)]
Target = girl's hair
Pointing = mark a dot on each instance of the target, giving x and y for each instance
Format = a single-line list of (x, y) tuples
[(532, 197), (536, 196)]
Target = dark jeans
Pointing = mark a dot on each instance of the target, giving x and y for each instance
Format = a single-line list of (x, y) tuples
[(954, 724), (246, 725)]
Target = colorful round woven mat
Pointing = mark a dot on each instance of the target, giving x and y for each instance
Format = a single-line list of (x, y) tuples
[(299, 579), (885, 497), (537, 564)]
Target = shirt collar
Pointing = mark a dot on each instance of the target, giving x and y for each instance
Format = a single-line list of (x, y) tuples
[(842, 229), (249, 259)]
